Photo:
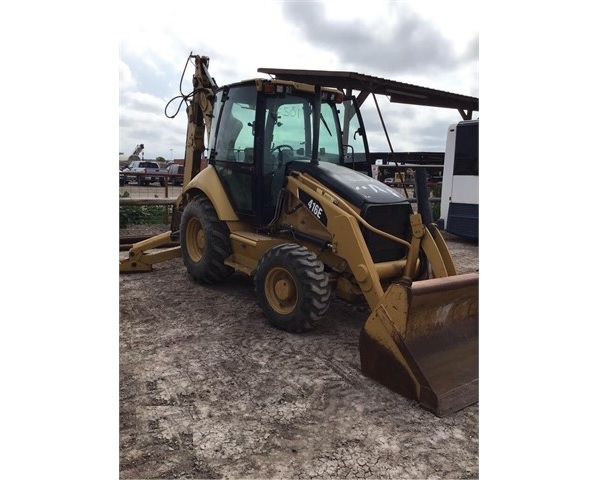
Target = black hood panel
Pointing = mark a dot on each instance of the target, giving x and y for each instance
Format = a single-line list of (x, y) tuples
[(355, 187)]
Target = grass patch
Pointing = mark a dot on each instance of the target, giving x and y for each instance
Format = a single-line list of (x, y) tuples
[(140, 214)]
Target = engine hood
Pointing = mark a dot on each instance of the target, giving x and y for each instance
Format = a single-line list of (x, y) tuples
[(355, 187)]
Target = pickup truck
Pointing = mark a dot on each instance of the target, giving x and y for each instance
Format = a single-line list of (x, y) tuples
[(174, 175), (133, 171)]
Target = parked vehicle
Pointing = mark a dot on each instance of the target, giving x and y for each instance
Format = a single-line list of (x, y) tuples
[(175, 175), (133, 171), (459, 213)]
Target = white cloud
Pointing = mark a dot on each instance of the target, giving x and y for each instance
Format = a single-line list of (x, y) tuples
[(126, 80)]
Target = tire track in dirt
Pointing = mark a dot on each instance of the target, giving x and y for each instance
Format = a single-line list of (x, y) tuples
[(209, 390)]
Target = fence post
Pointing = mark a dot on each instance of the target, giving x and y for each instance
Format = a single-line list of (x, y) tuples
[(166, 216)]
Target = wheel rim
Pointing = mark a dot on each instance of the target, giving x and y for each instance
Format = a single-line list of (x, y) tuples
[(281, 291), (194, 236)]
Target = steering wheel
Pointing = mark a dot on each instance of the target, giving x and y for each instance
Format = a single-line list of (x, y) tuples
[(281, 147)]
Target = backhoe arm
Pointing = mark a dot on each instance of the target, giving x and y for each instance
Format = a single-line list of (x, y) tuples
[(199, 113)]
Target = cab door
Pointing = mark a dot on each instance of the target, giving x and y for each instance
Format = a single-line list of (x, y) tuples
[(354, 137), (233, 145)]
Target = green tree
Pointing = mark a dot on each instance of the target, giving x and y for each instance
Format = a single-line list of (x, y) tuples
[(160, 159)]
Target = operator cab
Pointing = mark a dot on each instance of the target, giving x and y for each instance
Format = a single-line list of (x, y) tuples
[(260, 126)]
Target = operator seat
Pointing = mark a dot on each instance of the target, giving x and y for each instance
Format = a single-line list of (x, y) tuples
[(228, 133)]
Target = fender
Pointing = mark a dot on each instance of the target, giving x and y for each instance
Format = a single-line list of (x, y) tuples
[(208, 182)]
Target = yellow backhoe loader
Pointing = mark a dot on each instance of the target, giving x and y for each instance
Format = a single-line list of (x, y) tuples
[(276, 194)]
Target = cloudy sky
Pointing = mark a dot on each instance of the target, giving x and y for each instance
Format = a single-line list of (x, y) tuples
[(432, 44)]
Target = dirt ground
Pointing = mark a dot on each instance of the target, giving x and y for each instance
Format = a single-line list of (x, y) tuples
[(208, 389)]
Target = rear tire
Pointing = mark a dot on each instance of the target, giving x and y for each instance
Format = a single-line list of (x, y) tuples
[(204, 242), (292, 288)]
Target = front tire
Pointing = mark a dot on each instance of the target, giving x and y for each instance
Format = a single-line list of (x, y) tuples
[(204, 242), (292, 288)]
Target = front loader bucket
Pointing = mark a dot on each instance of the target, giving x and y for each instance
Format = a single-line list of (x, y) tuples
[(422, 341)]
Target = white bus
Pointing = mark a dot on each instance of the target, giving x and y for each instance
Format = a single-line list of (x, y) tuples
[(459, 209)]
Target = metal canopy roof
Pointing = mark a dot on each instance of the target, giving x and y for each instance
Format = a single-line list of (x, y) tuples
[(398, 92)]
